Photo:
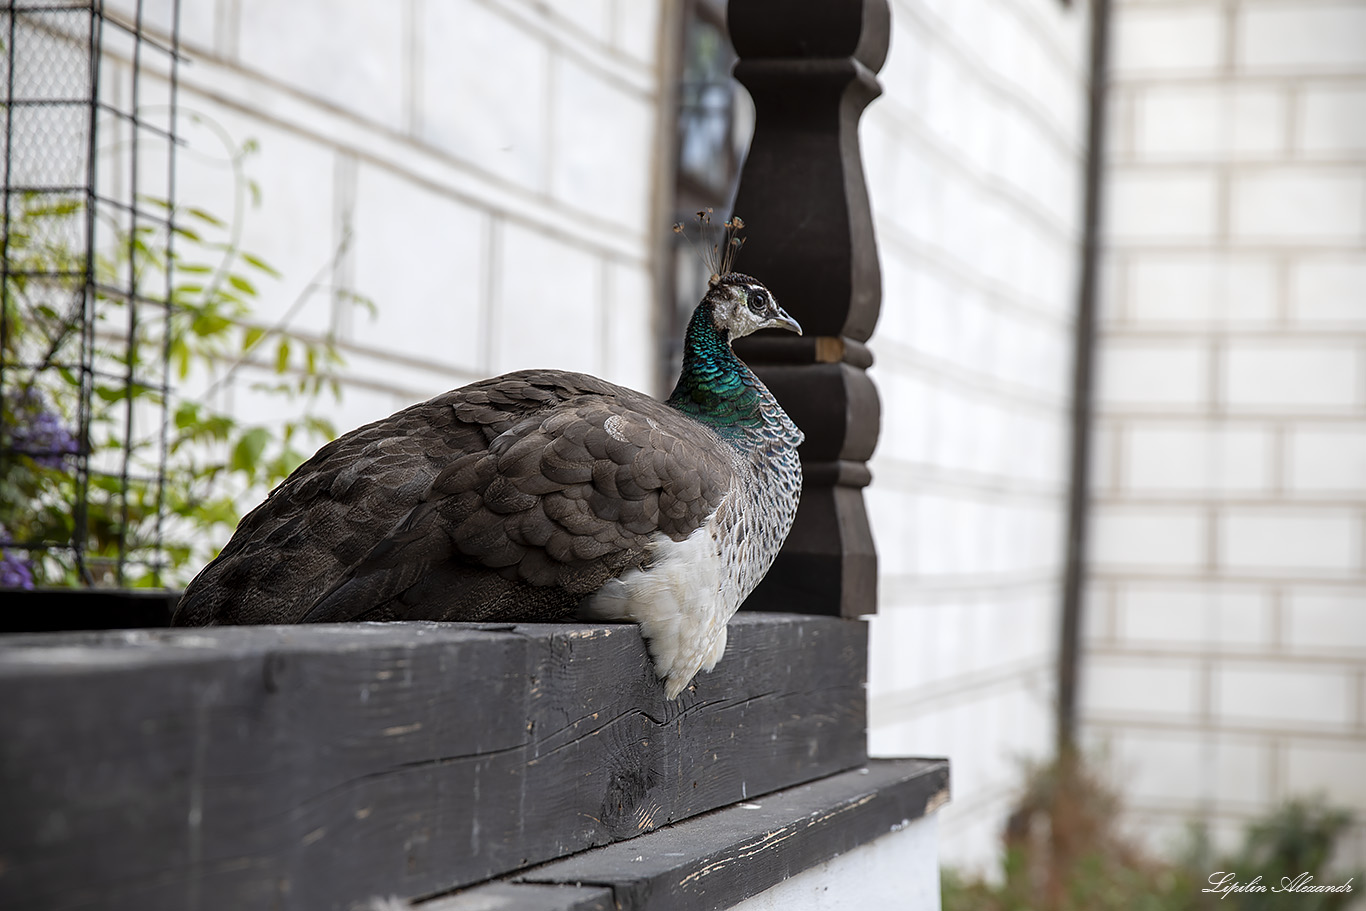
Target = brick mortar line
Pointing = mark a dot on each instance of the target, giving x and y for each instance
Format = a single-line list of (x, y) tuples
[(490, 285), (1344, 501), (1115, 417), (1258, 76), (1177, 652), (1349, 167), (1253, 249), (1223, 809), (1159, 577), (1216, 334), (1157, 329), (1134, 574), (1275, 767), (1154, 414), (1129, 723)]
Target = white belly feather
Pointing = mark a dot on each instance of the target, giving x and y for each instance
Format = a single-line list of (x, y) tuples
[(681, 603)]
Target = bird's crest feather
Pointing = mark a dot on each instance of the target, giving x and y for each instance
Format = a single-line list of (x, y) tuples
[(718, 254)]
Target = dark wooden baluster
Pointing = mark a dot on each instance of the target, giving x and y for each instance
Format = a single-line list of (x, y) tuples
[(810, 68)]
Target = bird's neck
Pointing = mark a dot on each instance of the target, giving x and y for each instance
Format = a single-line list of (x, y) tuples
[(715, 386)]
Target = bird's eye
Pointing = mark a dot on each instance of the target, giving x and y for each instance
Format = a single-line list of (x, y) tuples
[(758, 300)]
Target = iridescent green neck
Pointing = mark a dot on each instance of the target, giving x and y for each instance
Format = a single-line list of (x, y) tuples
[(715, 386)]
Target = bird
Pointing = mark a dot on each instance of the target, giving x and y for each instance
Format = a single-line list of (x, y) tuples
[(540, 495)]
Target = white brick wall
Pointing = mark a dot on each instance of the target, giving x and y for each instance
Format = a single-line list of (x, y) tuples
[(1182, 289), (1165, 459), (1173, 40), (1321, 541), (496, 221), (1188, 615), (1262, 694), (1227, 610), (1287, 205), (1142, 688), (505, 132), (1322, 375), (1143, 539), (1326, 290), (410, 270), (1301, 37), (1210, 122), (1333, 120), (1152, 374), (1171, 205), (974, 156)]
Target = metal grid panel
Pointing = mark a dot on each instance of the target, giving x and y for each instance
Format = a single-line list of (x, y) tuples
[(88, 177)]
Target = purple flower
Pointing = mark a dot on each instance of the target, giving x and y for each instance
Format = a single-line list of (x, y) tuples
[(15, 570), (38, 432)]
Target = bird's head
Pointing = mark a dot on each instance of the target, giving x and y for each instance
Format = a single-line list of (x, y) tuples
[(741, 305)]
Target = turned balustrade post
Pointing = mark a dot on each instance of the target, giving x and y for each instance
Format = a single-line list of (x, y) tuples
[(811, 69)]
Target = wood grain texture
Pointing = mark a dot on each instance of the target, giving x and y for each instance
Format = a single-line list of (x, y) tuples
[(311, 766)]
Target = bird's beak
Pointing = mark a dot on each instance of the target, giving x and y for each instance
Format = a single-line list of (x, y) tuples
[(783, 321)]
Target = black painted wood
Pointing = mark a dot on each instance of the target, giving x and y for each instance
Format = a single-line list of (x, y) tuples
[(811, 69), (305, 767), (716, 860), (58, 609)]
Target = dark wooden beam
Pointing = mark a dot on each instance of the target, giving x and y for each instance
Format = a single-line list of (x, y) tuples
[(69, 609), (309, 766), (811, 69)]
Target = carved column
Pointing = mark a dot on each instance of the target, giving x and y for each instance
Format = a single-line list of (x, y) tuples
[(810, 68)]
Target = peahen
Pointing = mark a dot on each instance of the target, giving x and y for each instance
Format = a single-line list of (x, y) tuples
[(539, 495)]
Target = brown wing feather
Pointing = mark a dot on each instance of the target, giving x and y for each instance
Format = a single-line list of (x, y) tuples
[(506, 499)]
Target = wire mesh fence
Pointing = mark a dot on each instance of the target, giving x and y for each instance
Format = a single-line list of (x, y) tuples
[(89, 144)]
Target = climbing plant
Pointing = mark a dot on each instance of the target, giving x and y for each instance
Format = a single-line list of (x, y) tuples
[(162, 465)]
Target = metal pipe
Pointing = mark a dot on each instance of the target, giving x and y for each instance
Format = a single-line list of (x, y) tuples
[(1083, 384)]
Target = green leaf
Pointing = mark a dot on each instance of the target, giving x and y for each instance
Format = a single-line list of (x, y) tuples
[(321, 426), (257, 262), (209, 324), (241, 284), (186, 415), (282, 356), (251, 336), (247, 451), (209, 217)]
